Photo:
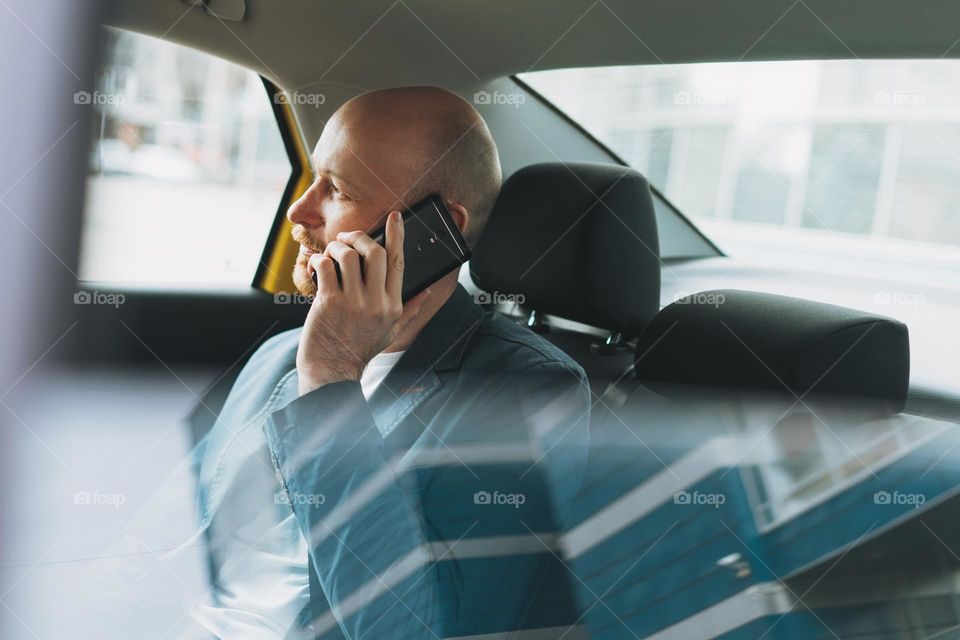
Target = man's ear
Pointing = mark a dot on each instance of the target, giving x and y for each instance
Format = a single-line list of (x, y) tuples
[(459, 214)]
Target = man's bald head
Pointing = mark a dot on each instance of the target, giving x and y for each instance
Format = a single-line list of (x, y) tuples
[(428, 140)]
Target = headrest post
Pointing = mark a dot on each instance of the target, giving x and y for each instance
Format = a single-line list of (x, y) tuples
[(536, 324), (615, 344)]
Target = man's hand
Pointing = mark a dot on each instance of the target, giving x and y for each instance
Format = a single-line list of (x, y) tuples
[(347, 326)]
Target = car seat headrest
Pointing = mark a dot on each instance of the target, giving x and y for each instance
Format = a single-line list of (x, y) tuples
[(758, 341), (578, 241)]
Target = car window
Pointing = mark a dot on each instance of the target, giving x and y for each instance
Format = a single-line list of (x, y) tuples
[(774, 156), (186, 169)]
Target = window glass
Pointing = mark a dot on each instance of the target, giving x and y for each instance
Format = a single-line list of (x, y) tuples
[(862, 150), (186, 170)]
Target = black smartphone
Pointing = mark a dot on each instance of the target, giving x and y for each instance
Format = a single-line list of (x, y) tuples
[(432, 245)]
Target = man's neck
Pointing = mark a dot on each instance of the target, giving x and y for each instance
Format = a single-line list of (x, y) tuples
[(440, 292)]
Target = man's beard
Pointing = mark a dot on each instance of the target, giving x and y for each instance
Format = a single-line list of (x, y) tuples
[(301, 275), (301, 278)]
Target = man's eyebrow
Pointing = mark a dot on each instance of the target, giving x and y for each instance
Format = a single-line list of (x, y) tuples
[(334, 174)]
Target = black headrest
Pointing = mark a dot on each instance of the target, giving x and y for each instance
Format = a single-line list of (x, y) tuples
[(748, 340), (577, 241)]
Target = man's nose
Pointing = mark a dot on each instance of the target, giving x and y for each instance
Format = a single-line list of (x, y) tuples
[(306, 209)]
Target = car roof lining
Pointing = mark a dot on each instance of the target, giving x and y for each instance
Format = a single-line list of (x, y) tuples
[(305, 43)]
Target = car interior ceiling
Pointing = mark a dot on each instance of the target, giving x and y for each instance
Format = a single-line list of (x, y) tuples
[(623, 33)]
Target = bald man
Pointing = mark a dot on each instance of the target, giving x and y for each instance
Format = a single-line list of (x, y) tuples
[(393, 470)]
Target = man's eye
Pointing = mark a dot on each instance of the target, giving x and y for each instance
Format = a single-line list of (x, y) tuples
[(340, 195)]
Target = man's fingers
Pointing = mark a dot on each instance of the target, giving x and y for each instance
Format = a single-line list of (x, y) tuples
[(326, 275), (394, 236), (349, 261), (374, 256)]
